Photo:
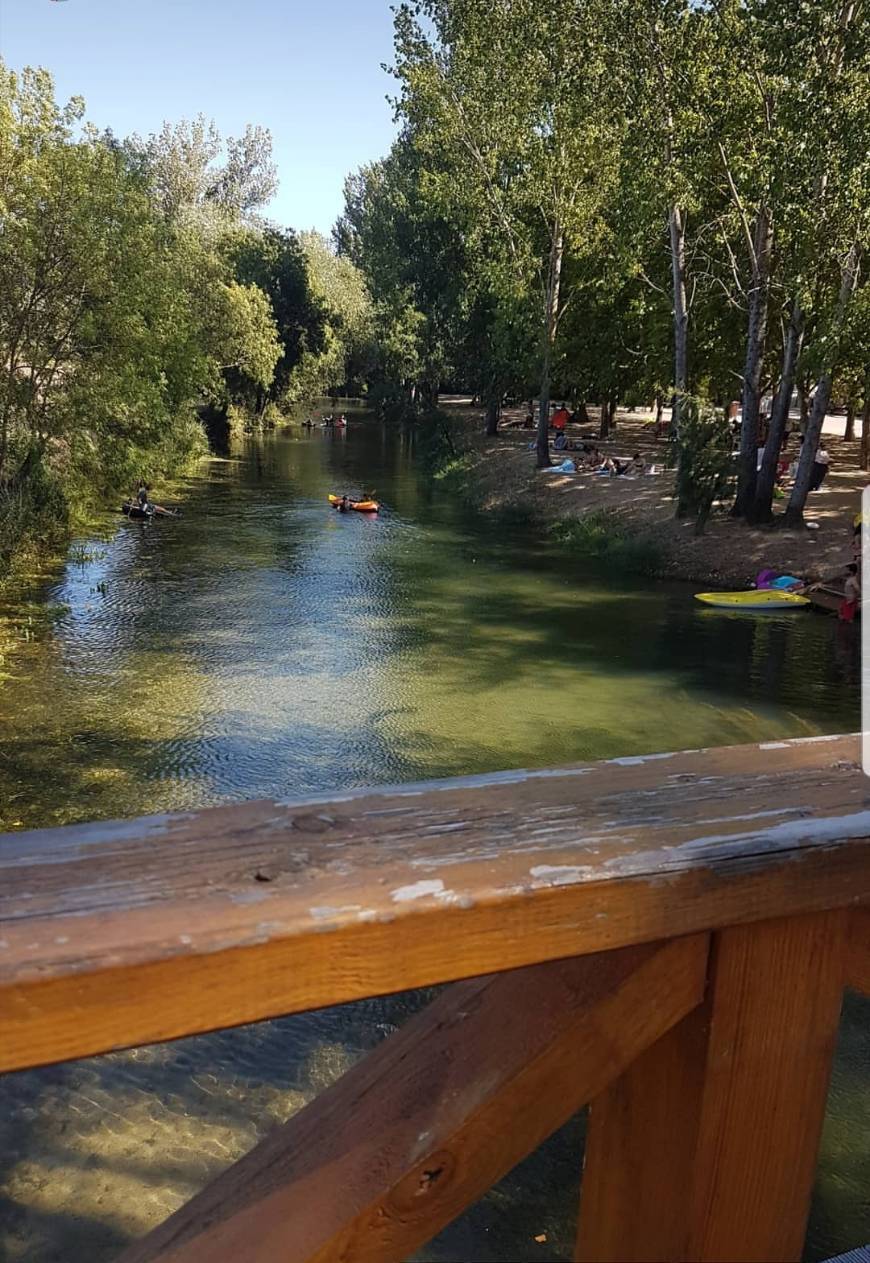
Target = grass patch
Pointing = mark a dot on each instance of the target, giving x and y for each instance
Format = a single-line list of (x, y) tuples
[(603, 537), (455, 471)]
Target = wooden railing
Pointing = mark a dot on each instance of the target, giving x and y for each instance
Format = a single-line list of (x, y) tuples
[(667, 939)]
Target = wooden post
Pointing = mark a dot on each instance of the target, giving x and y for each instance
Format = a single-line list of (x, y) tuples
[(705, 1149), (858, 954)]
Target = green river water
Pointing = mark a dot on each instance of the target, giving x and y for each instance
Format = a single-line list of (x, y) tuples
[(266, 645)]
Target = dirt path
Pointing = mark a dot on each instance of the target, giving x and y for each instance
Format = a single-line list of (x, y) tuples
[(728, 554)]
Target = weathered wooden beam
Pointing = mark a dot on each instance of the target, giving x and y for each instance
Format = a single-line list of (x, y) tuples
[(378, 1163), (641, 1138), (706, 1148), (858, 955), (123, 933)]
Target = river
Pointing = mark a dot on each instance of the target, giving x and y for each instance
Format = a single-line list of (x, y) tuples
[(265, 644)]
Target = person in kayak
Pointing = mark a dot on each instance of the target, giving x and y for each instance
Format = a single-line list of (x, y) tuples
[(343, 504), (143, 492)]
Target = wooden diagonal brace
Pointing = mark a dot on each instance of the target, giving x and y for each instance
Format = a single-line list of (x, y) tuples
[(417, 1131)]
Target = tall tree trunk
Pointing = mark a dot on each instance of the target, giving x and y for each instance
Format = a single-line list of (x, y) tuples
[(865, 424), (849, 432), (804, 392), (4, 442), (756, 338), (677, 225), (794, 514), (612, 418), (493, 411), (763, 511), (551, 319), (604, 422), (660, 407)]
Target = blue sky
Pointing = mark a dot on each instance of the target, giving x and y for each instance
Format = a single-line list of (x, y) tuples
[(309, 70)]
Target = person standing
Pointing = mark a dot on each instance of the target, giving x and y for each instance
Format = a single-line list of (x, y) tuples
[(851, 595), (560, 418), (820, 468)]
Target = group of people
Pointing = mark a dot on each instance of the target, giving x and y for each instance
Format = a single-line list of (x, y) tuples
[(560, 418), (345, 504), (327, 423), (848, 576), (787, 467), (590, 458)]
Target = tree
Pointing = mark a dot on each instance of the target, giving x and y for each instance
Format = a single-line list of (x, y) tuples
[(702, 454), (407, 232), (344, 301), (181, 163), (273, 260), (515, 94), (92, 327), (116, 320)]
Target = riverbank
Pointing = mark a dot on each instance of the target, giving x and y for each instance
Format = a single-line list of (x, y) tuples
[(59, 500), (498, 475)]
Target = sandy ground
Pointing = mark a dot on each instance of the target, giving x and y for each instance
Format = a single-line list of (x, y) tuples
[(728, 554)]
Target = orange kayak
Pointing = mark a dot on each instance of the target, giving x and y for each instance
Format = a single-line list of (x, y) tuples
[(361, 506)]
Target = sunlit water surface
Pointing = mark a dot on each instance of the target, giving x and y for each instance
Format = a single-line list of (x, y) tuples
[(267, 645)]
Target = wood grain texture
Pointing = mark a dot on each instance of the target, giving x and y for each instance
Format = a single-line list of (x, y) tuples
[(744, 1083), (640, 1151), (381, 1161), (117, 934), (777, 992), (858, 955)]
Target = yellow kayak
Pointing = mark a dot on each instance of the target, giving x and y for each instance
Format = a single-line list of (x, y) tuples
[(754, 599)]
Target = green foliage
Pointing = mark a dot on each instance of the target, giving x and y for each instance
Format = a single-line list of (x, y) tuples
[(603, 537), (33, 513), (339, 360), (569, 178), (181, 165), (701, 452), (274, 261), (121, 311)]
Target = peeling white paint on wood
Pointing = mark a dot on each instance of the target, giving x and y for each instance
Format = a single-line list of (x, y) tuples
[(418, 890), (561, 874)]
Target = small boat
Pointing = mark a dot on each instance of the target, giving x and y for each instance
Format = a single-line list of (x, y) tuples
[(130, 509), (360, 506), (133, 510), (753, 599), (827, 597)]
